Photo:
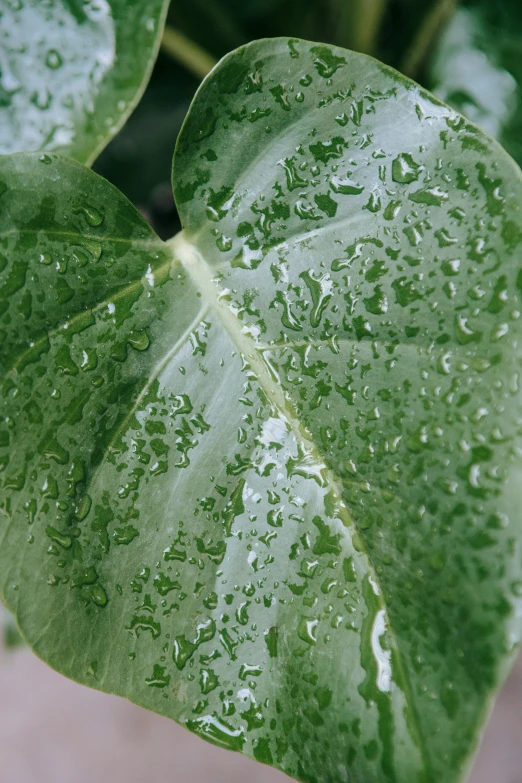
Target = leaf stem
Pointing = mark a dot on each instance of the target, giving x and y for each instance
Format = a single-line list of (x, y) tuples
[(426, 36), (358, 23), (187, 53)]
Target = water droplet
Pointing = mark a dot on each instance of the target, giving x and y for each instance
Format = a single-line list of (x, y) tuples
[(307, 630), (53, 59), (217, 731), (404, 169), (98, 595)]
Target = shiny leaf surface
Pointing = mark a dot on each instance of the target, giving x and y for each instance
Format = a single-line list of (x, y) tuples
[(71, 72), (263, 479)]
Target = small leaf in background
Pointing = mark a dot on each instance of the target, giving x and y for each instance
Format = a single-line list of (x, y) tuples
[(263, 479), (72, 72)]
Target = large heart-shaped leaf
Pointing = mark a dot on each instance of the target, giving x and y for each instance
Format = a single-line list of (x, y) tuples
[(72, 71), (263, 479)]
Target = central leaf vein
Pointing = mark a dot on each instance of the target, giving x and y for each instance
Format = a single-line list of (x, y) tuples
[(202, 275)]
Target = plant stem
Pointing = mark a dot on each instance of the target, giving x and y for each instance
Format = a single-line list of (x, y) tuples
[(426, 36), (358, 23), (189, 54)]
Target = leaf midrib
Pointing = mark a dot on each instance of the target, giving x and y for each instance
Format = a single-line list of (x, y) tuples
[(202, 276)]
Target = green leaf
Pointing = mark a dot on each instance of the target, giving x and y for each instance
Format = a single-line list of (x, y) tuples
[(477, 69), (72, 71), (263, 479)]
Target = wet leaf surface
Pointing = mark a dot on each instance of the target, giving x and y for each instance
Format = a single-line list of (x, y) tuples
[(72, 72), (263, 479)]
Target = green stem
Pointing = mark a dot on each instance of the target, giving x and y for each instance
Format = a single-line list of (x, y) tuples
[(426, 36), (187, 53), (358, 23)]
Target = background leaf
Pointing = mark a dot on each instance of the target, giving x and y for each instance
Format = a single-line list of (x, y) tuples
[(476, 67), (263, 480), (72, 72)]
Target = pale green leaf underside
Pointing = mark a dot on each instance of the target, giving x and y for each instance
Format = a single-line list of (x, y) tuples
[(71, 72), (263, 479)]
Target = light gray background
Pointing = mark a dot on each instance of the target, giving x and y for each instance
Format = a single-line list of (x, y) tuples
[(55, 731)]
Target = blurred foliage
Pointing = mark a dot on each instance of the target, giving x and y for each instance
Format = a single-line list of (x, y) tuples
[(468, 53), (10, 637), (477, 68)]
